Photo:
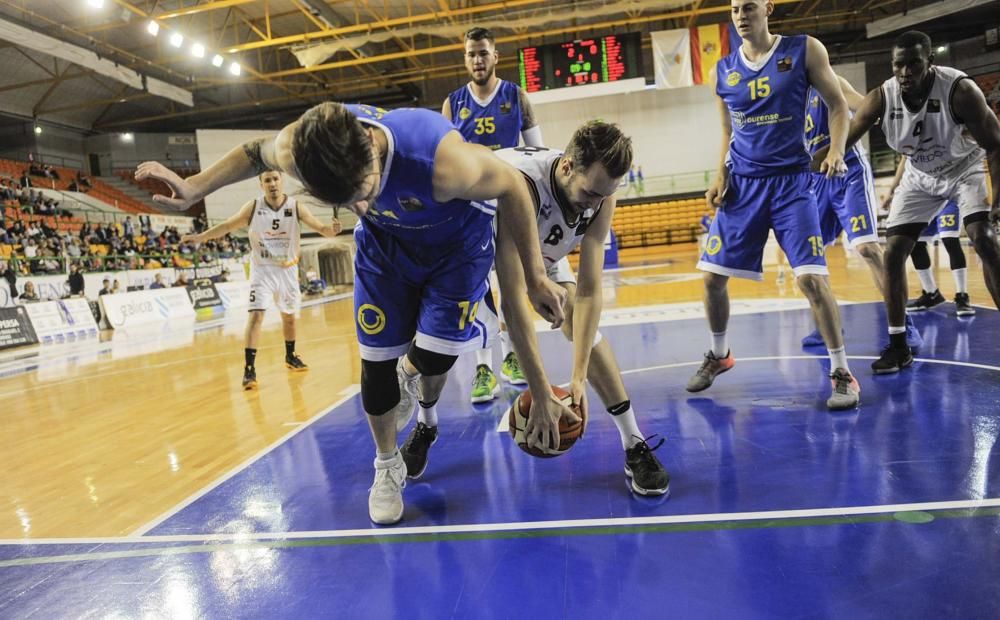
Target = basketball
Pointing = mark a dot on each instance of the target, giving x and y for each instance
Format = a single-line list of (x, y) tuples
[(569, 432)]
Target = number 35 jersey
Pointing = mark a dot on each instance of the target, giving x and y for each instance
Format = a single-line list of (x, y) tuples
[(767, 107), (932, 137), (494, 122), (274, 234), (558, 234)]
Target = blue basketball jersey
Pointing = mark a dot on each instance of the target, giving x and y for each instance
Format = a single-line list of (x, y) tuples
[(818, 128), (497, 124), (768, 108), (405, 207)]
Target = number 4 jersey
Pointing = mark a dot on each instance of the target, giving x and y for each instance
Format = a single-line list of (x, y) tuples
[(558, 234), (274, 234)]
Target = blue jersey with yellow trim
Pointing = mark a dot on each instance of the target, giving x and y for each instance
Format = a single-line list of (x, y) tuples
[(497, 124), (767, 105), (405, 207), (818, 128)]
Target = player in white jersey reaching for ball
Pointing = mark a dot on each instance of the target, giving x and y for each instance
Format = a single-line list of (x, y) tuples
[(573, 197), (926, 112), (273, 220)]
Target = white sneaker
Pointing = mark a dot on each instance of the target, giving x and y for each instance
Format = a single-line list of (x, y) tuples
[(408, 390), (385, 497)]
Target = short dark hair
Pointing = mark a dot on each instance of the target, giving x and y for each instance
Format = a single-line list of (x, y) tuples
[(913, 38), (332, 152), (598, 141), (478, 34)]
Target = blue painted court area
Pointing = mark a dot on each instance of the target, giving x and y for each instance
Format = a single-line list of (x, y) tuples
[(778, 508)]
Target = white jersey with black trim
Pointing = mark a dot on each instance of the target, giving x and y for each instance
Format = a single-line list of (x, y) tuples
[(557, 235), (274, 234), (932, 137)]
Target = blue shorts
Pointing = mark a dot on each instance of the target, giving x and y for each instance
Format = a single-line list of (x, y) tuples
[(847, 203), (434, 294), (753, 206), (947, 223)]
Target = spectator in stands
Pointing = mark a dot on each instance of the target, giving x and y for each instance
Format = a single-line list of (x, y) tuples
[(82, 180), (223, 277), (116, 287), (73, 186), (76, 281), (201, 223), (30, 253), (51, 172), (7, 273), (29, 293), (7, 191), (73, 248), (106, 288), (181, 280), (24, 198), (25, 180), (128, 227), (157, 282)]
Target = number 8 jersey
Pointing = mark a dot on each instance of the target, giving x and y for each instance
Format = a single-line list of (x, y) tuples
[(274, 234), (558, 235)]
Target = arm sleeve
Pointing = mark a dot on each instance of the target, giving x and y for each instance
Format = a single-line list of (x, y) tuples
[(532, 136)]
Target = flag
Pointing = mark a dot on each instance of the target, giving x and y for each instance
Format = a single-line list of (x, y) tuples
[(672, 58), (709, 44)]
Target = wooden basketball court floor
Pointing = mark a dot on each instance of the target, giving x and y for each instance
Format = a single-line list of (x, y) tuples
[(141, 481)]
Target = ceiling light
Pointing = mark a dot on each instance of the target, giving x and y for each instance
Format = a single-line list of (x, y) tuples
[(128, 137), (234, 68), (176, 39), (38, 129), (217, 60), (942, 49), (97, 4), (198, 50), (153, 28)]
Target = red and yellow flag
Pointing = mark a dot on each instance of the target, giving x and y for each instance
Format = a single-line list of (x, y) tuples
[(709, 44)]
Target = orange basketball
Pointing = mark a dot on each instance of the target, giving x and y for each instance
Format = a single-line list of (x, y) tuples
[(569, 432)]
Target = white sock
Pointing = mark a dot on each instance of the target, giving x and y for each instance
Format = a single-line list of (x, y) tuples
[(387, 456), (961, 280), (927, 279), (720, 344), (428, 415), (838, 359), (897, 330), (484, 357), (627, 428), (505, 347)]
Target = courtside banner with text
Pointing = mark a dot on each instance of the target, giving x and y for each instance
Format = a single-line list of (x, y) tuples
[(15, 328), (56, 321), (234, 294), (203, 294), (142, 307)]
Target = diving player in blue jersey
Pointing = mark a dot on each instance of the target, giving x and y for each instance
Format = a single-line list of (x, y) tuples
[(494, 113), (425, 248), (764, 183), (847, 203)]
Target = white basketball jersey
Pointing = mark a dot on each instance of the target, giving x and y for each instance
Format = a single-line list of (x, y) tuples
[(931, 138), (274, 233), (558, 237)]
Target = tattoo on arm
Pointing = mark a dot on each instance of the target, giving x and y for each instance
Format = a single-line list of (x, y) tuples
[(527, 114), (252, 150)]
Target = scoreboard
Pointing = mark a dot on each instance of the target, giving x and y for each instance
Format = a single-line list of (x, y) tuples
[(585, 61)]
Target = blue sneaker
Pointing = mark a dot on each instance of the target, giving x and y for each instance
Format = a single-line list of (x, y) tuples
[(913, 338), (815, 339)]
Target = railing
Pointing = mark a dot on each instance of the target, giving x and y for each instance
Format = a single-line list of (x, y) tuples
[(668, 184), (119, 165), (115, 262), (43, 158)]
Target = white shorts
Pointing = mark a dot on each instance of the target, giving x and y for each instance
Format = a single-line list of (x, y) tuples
[(279, 284), (920, 197), (560, 272)]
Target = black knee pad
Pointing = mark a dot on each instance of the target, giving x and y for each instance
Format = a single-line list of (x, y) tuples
[(955, 254), (379, 386), (978, 216), (921, 259), (906, 230), (429, 363)]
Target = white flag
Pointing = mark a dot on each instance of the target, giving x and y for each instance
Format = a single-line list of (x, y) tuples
[(672, 58)]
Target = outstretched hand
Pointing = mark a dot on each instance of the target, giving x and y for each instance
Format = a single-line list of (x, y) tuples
[(183, 193)]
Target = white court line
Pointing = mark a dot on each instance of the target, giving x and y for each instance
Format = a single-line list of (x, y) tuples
[(373, 531), (503, 426), (347, 393)]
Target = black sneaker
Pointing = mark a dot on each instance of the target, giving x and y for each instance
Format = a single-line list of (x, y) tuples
[(295, 363), (926, 301), (414, 451), (645, 470), (962, 305), (249, 378), (892, 360)]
